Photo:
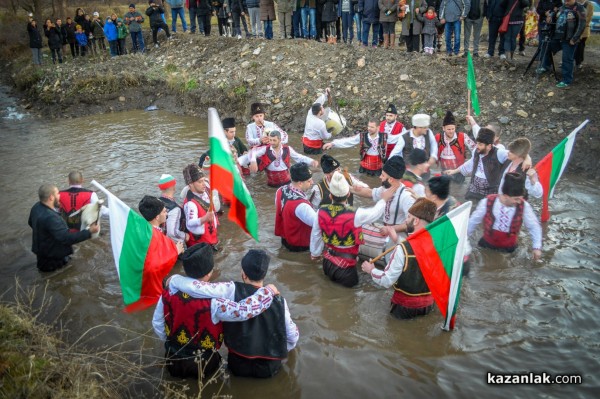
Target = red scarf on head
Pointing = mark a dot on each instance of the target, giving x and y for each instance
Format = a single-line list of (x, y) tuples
[(430, 17)]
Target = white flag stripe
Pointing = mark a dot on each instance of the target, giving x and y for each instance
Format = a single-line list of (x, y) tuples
[(459, 218), (118, 212)]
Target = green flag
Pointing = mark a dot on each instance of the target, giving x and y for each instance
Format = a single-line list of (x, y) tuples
[(471, 84)]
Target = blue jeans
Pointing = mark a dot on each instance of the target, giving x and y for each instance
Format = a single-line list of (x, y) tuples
[(510, 37), (307, 12), (366, 26), (174, 13), (268, 29), (568, 58), (453, 27), (297, 24), (347, 23), (358, 23), (137, 39), (200, 18)]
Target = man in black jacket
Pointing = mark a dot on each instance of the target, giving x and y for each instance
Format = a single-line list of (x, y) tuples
[(155, 12), (570, 23), (51, 241)]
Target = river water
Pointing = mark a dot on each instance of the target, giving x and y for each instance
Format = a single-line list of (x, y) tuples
[(515, 316)]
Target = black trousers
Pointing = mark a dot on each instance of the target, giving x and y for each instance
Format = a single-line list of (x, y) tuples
[(155, 29), (400, 312), (347, 277), (186, 367), (312, 151), (256, 368), (50, 264)]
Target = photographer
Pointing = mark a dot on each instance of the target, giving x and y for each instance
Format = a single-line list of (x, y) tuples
[(570, 23), (156, 21)]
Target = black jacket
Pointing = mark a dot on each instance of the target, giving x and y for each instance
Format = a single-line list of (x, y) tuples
[(35, 38), (154, 14), (51, 236), (54, 38), (70, 28)]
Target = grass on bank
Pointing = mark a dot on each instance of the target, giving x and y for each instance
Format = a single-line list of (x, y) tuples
[(36, 361)]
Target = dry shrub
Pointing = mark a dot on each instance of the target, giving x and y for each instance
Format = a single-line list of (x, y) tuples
[(37, 362)]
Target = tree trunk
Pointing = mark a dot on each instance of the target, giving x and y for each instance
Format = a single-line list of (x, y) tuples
[(63, 9)]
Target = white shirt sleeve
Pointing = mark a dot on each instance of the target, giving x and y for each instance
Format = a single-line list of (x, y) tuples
[(369, 215), (201, 289), (470, 144), (316, 240), (315, 196), (388, 276), (376, 193), (257, 152), (192, 218), (222, 309), (347, 142), (533, 225), (252, 141), (306, 214), (299, 157), (399, 146), (477, 216), (535, 190), (173, 231), (501, 154), (291, 330), (433, 150), (158, 321), (467, 168)]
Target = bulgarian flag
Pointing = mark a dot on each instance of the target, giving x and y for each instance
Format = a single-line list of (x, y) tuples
[(225, 177), (551, 167), (472, 86), (439, 249), (143, 255)]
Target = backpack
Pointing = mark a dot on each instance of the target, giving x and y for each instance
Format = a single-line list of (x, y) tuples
[(475, 10)]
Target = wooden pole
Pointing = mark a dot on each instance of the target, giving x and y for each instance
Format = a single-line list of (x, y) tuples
[(468, 102), (384, 253)]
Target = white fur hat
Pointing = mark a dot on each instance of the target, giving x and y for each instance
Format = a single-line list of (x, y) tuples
[(338, 186), (421, 120)]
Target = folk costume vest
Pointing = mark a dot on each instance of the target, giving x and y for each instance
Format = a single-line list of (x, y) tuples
[(280, 177), (170, 205), (409, 146), (499, 240), (492, 168), (339, 234), (367, 161), (188, 324), (457, 145), (262, 337), (324, 189), (411, 281), (210, 230), (287, 225), (396, 130), (72, 200)]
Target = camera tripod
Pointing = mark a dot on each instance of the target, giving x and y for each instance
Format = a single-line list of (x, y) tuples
[(541, 51)]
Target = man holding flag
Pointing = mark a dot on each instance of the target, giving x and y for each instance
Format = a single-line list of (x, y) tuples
[(412, 296)]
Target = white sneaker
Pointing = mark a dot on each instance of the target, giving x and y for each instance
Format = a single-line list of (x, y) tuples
[(156, 45), (239, 36), (502, 57), (487, 55)]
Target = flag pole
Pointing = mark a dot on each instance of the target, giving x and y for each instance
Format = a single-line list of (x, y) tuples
[(468, 102)]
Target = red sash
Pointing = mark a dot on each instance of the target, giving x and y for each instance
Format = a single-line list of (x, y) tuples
[(312, 143)]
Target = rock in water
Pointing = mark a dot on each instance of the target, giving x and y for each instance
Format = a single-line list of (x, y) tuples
[(90, 214), (151, 108)]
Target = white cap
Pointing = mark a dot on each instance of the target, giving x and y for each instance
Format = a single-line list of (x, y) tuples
[(96, 14), (421, 120), (338, 186)]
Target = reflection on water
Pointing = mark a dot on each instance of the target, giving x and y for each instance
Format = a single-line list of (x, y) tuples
[(514, 315)]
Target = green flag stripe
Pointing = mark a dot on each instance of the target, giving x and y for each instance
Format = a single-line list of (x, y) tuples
[(558, 157), (136, 241), (444, 240)]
